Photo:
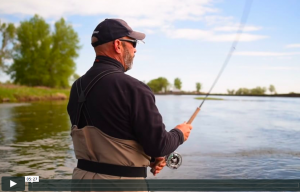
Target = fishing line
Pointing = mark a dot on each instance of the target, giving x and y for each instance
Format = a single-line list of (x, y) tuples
[(174, 160), (231, 50)]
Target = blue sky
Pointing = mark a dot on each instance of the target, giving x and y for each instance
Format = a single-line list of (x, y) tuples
[(188, 39)]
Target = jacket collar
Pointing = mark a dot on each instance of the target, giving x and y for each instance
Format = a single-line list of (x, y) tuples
[(108, 60)]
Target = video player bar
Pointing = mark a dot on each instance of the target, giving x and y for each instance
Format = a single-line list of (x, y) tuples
[(164, 185)]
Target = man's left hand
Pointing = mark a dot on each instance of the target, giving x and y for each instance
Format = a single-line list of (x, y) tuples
[(157, 165)]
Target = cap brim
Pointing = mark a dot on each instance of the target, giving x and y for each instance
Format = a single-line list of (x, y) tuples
[(137, 35)]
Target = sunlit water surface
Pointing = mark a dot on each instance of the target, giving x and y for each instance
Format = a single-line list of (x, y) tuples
[(236, 138)]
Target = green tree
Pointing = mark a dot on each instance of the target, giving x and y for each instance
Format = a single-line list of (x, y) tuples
[(65, 46), (243, 91), (198, 87), (230, 92), (177, 83), (272, 89), (32, 53), (239, 91), (254, 91), (159, 84), (7, 34), (44, 58), (258, 91)]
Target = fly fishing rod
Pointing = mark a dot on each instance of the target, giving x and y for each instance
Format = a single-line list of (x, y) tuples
[(231, 50), (174, 160)]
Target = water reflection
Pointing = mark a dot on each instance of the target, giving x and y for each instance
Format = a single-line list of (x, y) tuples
[(35, 140)]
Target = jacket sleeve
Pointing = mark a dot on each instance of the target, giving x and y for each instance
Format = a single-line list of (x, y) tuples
[(148, 125)]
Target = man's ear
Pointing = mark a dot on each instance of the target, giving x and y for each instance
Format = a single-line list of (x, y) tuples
[(118, 46)]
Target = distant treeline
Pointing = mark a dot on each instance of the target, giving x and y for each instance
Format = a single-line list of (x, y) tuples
[(253, 91), (162, 85)]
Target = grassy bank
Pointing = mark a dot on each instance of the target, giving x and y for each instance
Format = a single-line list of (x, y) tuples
[(208, 98), (15, 93)]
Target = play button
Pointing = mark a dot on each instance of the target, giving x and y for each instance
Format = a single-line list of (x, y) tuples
[(13, 184)]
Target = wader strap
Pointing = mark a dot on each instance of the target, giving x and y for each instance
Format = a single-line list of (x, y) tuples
[(110, 169), (96, 167), (84, 93)]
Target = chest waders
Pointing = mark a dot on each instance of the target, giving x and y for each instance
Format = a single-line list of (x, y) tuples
[(89, 139)]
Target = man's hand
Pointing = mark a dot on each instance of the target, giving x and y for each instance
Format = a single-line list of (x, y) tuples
[(157, 165), (186, 129)]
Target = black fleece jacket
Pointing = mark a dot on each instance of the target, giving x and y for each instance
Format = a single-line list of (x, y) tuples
[(124, 108)]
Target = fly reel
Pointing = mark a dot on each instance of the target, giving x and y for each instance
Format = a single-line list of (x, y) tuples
[(173, 160)]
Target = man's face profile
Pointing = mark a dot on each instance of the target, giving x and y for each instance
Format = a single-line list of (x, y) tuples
[(127, 57)]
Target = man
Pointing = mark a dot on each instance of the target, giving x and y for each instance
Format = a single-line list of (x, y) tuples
[(117, 129)]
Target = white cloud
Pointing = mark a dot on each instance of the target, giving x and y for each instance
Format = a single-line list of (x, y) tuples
[(191, 34), (261, 53), (149, 31), (244, 37), (2, 20), (236, 27), (197, 34), (293, 46), (218, 20), (285, 57), (163, 9), (271, 68), (144, 22), (151, 15)]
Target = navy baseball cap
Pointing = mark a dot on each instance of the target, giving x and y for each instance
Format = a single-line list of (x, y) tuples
[(112, 29)]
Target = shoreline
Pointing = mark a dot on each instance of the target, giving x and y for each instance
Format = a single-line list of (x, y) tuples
[(217, 94), (10, 93)]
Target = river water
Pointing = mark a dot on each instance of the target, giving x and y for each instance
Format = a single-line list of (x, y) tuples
[(235, 138)]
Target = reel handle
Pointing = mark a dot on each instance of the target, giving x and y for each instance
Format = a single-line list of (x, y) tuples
[(175, 154), (173, 161), (152, 170)]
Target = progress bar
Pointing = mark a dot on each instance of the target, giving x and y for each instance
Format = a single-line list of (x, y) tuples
[(164, 185)]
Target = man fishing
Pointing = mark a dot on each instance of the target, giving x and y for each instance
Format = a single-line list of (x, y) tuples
[(117, 130)]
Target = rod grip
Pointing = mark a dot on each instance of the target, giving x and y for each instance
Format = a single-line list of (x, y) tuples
[(193, 116)]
